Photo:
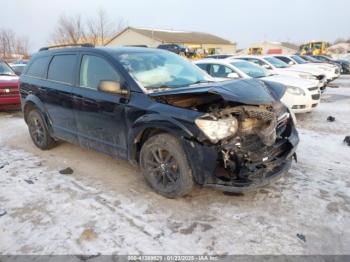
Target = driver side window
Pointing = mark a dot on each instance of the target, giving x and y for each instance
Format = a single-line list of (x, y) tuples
[(94, 69)]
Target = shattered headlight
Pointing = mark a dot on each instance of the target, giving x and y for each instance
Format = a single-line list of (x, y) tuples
[(295, 91), (216, 130), (307, 76)]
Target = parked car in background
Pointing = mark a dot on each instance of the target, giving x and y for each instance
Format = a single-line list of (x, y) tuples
[(330, 71), (301, 95), (276, 66), (178, 49), (342, 63), (18, 68), (160, 111), (345, 66), (346, 57), (9, 92), (218, 56)]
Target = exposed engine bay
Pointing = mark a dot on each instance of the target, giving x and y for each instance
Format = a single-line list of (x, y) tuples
[(260, 146)]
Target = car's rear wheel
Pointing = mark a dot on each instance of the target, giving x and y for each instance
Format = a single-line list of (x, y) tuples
[(165, 166), (38, 130)]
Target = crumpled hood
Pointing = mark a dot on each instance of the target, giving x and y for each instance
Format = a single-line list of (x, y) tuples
[(245, 91)]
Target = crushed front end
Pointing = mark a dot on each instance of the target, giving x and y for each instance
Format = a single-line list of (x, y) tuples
[(261, 150)]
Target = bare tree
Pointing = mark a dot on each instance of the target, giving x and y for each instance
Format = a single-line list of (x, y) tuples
[(101, 28), (11, 44), (97, 30), (21, 45), (7, 42), (69, 30)]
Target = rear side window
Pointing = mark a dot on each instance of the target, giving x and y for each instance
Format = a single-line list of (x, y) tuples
[(62, 69), (94, 69), (38, 67)]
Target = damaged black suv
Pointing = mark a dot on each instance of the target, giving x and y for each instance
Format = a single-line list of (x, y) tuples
[(160, 112)]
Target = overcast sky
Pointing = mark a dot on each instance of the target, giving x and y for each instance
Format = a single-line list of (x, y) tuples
[(242, 21)]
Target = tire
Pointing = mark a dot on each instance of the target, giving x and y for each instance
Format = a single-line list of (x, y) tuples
[(38, 130), (165, 167)]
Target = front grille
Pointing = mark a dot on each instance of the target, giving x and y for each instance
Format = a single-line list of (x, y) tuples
[(298, 107), (9, 91), (313, 88), (316, 97)]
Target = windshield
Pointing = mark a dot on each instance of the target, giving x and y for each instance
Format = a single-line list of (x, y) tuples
[(159, 70), (276, 62), (5, 69), (298, 59), (250, 69), (311, 59)]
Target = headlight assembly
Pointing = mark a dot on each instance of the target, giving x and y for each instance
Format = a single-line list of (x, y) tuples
[(307, 76), (295, 91), (216, 130)]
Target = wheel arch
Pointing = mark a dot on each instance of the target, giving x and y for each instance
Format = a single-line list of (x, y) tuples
[(33, 102), (150, 125)]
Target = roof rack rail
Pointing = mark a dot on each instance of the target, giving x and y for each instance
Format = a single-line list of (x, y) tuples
[(65, 45)]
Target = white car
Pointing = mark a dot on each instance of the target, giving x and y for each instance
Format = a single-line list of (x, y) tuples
[(301, 95), (331, 71), (276, 66)]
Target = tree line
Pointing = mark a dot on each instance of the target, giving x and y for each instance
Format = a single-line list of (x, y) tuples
[(96, 30), (12, 44)]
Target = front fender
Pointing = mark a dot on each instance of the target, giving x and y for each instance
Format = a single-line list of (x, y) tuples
[(154, 121)]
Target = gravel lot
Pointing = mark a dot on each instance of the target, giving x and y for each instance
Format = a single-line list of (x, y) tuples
[(105, 205)]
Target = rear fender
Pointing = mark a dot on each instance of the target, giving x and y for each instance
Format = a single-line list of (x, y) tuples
[(32, 100)]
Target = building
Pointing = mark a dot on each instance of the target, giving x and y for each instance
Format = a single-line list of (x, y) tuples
[(268, 47), (211, 44)]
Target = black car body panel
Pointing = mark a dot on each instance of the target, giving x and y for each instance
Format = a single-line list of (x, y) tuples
[(241, 91), (118, 125)]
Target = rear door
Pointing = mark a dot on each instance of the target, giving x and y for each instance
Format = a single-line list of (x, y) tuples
[(57, 95), (99, 116)]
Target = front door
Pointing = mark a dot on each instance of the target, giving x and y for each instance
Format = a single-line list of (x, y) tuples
[(99, 116)]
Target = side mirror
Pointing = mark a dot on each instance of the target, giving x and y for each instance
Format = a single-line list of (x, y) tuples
[(233, 75), (291, 63), (266, 66), (112, 87)]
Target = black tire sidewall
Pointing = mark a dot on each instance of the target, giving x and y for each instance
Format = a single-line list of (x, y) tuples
[(184, 182), (47, 141)]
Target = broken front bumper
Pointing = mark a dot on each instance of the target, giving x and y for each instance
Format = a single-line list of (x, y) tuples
[(245, 168)]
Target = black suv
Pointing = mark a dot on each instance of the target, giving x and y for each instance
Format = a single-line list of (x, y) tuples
[(160, 112), (178, 49)]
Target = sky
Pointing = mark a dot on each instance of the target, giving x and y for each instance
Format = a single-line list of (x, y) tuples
[(242, 21)]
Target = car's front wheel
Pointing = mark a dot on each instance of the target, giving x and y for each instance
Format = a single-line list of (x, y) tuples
[(38, 130), (165, 166)]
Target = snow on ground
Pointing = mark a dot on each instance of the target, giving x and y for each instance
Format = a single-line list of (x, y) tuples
[(106, 207)]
